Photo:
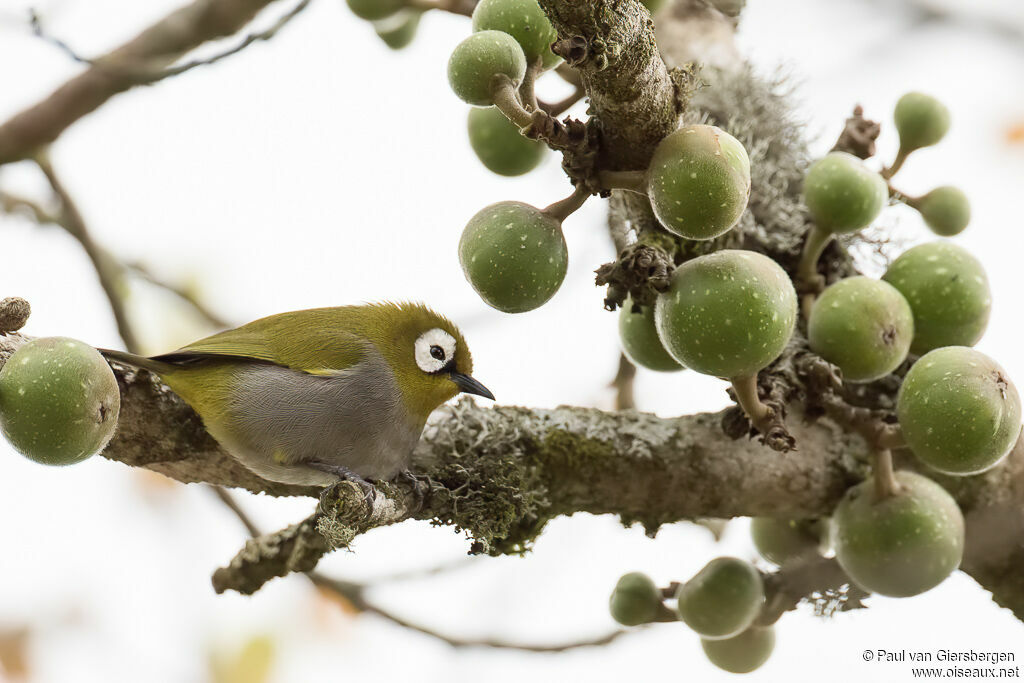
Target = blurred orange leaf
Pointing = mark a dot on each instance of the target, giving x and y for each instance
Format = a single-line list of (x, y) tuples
[(154, 483), (329, 603), (1015, 133), (14, 654)]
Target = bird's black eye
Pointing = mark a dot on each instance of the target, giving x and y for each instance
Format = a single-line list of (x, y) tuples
[(437, 352)]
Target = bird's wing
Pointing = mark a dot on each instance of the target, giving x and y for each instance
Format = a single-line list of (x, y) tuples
[(313, 342)]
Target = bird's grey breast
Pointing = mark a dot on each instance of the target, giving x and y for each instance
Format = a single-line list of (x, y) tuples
[(354, 418)]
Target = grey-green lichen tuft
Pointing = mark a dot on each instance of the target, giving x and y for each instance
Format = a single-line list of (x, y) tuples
[(496, 498), (758, 112)]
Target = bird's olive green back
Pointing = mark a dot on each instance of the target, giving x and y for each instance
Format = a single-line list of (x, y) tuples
[(319, 341), (324, 341)]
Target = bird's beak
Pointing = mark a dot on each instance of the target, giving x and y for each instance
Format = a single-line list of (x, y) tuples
[(468, 385)]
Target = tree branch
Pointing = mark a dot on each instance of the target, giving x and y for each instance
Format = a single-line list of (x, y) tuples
[(151, 51), (148, 76)]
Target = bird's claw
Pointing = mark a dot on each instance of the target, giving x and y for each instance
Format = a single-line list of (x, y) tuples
[(344, 474), (421, 486)]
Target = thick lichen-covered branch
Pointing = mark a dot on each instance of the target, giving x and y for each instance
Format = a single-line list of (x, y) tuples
[(499, 474)]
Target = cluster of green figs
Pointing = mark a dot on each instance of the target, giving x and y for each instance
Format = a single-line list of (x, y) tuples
[(731, 313), (514, 254), (957, 409)]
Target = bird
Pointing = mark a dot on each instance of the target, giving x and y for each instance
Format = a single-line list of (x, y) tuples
[(318, 396)]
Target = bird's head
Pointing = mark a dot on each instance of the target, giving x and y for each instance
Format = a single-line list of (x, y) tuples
[(428, 355)]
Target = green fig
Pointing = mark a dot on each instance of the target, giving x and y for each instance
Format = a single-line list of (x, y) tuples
[(727, 314), (639, 337), (958, 410), (399, 30), (635, 600), (781, 541), (59, 401), (477, 61), (514, 255), (698, 182), (723, 599), (945, 210), (921, 121), (862, 325), (948, 291), (730, 8), (525, 21), (899, 545), (842, 194), (373, 10), (500, 146), (743, 653)]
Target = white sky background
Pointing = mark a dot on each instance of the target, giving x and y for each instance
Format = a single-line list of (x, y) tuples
[(323, 169)]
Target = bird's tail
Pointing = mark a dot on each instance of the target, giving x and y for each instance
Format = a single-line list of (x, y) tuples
[(137, 361)]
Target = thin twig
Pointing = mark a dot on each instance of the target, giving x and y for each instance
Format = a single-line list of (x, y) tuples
[(355, 594), (233, 505), (246, 42), (154, 48), (561, 106), (72, 221), (418, 573), (18, 205), (15, 204), (145, 76), (623, 384), (182, 293)]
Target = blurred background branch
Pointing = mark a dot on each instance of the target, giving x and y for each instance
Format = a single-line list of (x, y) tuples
[(143, 59), (356, 595)]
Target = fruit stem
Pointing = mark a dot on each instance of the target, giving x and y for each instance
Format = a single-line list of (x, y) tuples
[(912, 202), (759, 414), (897, 164), (633, 181), (527, 91), (890, 436), (564, 208), (506, 98), (665, 615), (885, 480), (807, 273)]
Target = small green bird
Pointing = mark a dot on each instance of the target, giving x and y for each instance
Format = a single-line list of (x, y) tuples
[(311, 397)]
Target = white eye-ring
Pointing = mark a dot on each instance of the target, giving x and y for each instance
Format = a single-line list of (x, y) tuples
[(435, 349)]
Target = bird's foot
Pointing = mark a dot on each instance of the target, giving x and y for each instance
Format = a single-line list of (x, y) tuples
[(345, 474), (421, 484)]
